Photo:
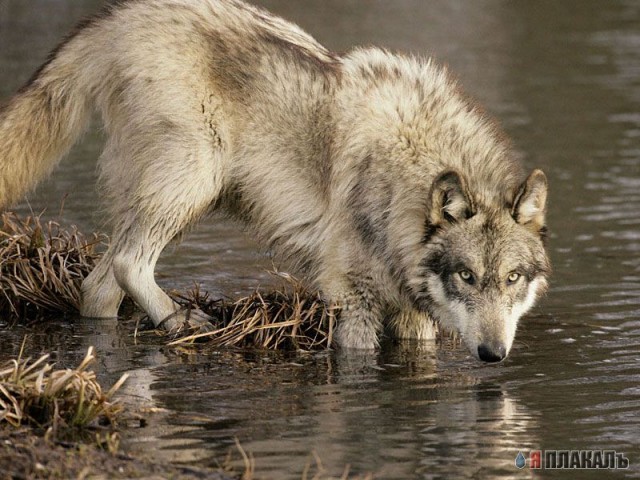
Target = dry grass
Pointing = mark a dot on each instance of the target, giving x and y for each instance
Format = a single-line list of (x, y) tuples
[(33, 393), (42, 266), (288, 318)]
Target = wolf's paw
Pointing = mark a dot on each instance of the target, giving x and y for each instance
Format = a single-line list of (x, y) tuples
[(353, 335), (192, 321)]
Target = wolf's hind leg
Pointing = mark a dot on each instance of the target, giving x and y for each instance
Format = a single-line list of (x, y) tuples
[(158, 218), (133, 266), (136, 253), (165, 196), (101, 294)]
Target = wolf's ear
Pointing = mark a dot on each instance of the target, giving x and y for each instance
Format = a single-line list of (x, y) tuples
[(450, 200), (530, 205)]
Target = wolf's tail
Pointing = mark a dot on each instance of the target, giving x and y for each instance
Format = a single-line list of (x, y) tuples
[(41, 123)]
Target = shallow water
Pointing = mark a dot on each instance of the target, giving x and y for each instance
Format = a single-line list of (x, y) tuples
[(564, 79)]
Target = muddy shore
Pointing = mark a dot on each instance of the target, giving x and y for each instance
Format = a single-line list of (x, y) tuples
[(26, 455)]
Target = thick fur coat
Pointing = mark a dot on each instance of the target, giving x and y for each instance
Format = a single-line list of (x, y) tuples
[(370, 171)]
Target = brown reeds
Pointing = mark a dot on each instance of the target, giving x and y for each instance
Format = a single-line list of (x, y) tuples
[(33, 393), (42, 266), (288, 318)]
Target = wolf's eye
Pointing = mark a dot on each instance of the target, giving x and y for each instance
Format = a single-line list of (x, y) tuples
[(467, 276), (513, 278)]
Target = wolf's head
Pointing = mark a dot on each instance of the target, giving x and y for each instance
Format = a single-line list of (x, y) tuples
[(484, 266)]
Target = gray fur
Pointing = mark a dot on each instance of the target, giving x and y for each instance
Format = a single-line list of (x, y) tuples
[(370, 169)]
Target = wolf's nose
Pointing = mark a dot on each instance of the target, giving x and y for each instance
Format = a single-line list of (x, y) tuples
[(487, 354)]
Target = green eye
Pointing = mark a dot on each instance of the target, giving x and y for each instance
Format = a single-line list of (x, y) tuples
[(467, 276), (513, 278)]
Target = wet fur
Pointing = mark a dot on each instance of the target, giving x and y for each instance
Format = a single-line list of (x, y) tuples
[(356, 167)]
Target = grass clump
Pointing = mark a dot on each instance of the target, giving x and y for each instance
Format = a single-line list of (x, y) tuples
[(33, 393), (42, 266), (291, 317)]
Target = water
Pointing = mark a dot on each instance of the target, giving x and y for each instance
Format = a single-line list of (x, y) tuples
[(564, 78)]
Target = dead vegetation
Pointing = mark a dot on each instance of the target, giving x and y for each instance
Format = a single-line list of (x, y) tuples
[(288, 318), (42, 267), (58, 401)]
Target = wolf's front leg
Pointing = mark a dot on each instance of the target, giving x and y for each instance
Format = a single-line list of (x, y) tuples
[(410, 324), (359, 325)]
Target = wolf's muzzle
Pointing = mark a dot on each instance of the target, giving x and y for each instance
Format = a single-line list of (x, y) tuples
[(488, 354)]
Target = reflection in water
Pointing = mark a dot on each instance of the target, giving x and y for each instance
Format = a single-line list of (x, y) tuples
[(406, 413), (563, 78), (414, 410)]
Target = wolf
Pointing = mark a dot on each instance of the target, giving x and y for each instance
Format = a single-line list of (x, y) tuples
[(370, 171)]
